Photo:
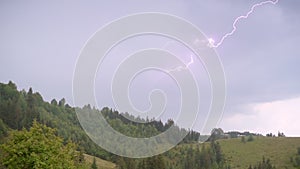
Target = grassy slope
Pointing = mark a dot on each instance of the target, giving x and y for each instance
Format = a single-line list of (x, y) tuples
[(103, 164), (278, 150), (241, 155)]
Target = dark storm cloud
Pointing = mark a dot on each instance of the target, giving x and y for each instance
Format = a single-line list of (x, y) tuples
[(40, 43)]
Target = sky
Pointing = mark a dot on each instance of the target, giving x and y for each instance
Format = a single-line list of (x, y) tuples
[(41, 41)]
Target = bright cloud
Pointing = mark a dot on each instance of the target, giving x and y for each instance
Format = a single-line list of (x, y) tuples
[(268, 117)]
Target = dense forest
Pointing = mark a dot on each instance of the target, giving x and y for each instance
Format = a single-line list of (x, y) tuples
[(18, 110), (38, 134)]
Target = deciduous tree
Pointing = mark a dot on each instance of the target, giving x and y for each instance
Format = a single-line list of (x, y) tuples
[(38, 147)]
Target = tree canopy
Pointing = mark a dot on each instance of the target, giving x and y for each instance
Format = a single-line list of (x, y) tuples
[(38, 147)]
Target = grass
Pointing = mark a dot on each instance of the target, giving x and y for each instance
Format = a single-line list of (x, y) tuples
[(279, 150), (238, 154), (103, 164)]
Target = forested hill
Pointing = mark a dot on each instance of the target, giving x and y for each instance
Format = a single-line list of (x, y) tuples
[(25, 119), (19, 108)]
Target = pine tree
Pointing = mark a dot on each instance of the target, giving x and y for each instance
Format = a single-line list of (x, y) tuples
[(251, 138), (243, 139), (94, 165)]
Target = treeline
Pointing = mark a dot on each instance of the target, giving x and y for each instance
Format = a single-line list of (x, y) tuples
[(264, 164), (18, 109), (139, 127), (154, 162), (235, 134), (205, 156), (194, 156), (218, 133)]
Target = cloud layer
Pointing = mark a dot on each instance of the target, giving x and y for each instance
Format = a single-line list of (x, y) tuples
[(40, 43)]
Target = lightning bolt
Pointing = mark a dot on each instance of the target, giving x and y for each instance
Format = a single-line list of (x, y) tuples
[(234, 27), (180, 68), (211, 42)]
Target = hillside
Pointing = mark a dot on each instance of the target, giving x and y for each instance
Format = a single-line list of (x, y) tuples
[(239, 155), (278, 149), (103, 164), (19, 108)]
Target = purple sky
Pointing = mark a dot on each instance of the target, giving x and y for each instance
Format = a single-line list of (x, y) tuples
[(40, 43)]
